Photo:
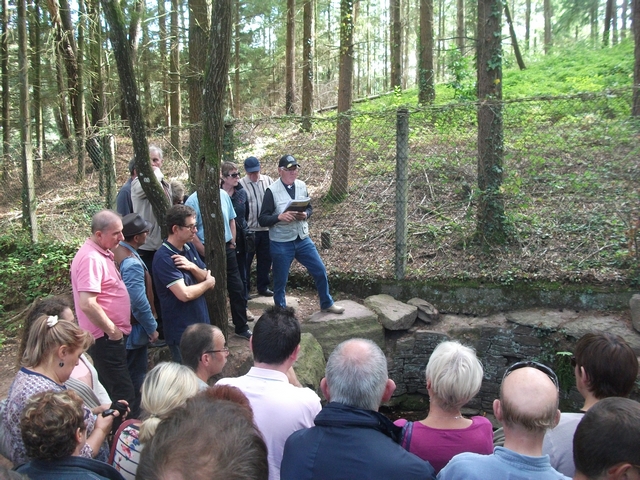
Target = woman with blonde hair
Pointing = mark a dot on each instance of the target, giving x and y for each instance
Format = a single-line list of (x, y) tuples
[(454, 376), (52, 351), (166, 387)]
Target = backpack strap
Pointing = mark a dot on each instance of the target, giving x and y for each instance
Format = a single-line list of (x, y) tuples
[(405, 435)]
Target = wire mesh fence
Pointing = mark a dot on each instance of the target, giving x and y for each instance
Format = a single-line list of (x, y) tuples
[(570, 185)]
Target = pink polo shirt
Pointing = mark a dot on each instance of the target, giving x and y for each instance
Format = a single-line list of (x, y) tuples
[(93, 270)]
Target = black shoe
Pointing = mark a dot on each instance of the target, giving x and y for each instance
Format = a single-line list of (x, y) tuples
[(266, 293), (246, 334), (158, 343)]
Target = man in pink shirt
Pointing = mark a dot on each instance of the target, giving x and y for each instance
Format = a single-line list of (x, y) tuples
[(102, 303)]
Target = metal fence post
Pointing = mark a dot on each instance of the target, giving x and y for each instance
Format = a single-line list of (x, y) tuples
[(402, 165)]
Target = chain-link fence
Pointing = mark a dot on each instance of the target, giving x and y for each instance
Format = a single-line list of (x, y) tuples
[(571, 176)]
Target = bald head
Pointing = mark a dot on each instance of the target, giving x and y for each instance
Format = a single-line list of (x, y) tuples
[(528, 400), (104, 219), (356, 374)]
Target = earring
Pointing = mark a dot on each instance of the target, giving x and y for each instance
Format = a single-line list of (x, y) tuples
[(61, 364)]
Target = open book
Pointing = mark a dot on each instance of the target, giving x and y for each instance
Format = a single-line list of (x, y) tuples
[(298, 205)]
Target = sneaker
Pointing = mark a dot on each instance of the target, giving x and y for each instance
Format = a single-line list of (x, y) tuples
[(267, 293), (334, 309), (246, 334), (250, 316)]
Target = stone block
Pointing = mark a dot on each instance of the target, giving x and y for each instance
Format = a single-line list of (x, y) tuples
[(310, 365), (426, 312), (634, 306), (259, 304), (393, 315), (331, 329)]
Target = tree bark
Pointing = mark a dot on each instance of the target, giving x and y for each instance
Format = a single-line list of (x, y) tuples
[(34, 35), (164, 68), (623, 30), (490, 217), (81, 132), (174, 80), (211, 157), (547, 26), (290, 55), (635, 6), (608, 13), (527, 24), (198, 44), (63, 116), (426, 87), (460, 25), (135, 29), (122, 53), (148, 104), (395, 38), (29, 219), (340, 178), (307, 65), (236, 59), (6, 98)]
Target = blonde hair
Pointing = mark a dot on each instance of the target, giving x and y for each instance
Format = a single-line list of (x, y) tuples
[(43, 339), (167, 386)]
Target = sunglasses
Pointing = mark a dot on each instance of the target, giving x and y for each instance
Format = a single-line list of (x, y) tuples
[(538, 366), (234, 175)]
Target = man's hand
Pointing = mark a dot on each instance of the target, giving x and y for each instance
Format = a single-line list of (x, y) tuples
[(182, 263), (210, 280), (288, 217), (116, 335), (301, 215), (154, 336)]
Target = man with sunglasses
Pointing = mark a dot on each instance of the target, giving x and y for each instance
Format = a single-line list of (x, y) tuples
[(289, 235), (527, 408), (181, 277)]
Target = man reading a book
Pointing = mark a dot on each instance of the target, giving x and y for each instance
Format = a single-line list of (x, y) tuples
[(289, 234)]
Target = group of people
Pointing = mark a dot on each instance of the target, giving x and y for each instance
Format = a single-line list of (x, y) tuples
[(266, 425)]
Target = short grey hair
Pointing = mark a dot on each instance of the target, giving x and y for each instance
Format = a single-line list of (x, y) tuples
[(357, 378), (455, 374), (102, 220), (157, 149)]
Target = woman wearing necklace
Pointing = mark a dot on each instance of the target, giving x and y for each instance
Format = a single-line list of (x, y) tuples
[(53, 350), (454, 376)]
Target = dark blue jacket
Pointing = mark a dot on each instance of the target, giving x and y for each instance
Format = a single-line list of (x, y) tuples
[(69, 468), (349, 443)]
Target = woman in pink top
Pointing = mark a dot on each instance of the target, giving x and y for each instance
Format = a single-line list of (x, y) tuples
[(454, 376)]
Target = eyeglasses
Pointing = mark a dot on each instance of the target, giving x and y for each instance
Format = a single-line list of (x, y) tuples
[(193, 227), (538, 366), (225, 350), (234, 175)]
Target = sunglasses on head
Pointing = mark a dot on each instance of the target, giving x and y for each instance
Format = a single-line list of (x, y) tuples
[(538, 366), (234, 175)]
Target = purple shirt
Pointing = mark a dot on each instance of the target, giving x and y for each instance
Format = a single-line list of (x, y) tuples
[(438, 446)]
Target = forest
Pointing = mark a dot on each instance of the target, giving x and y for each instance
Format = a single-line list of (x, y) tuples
[(550, 196)]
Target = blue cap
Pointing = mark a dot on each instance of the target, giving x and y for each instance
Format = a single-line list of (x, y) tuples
[(251, 164)]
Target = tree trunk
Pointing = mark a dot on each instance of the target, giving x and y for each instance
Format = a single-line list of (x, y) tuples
[(63, 117), (164, 68), (99, 119), (490, 217), (623, 30), (34, 35), (614, 21), (395, 38), (460, 25), (307, 64), (134, 28), (147, 105), (527, 24), (236, 58), (122, 55), (340, 178), (29, 219), (547, 26), (174, 80), (514, 39), (211, 157), (608, 13), (635, 9), (81, 132), (427, 91), (198, 43), (290, 55), (6, 98)]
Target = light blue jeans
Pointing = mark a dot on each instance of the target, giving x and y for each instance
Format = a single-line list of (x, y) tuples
[(305, 251)]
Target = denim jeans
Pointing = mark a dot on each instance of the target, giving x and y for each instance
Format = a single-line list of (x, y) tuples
[(237, 292), (137, 362), (263, 262), (305, 252)]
